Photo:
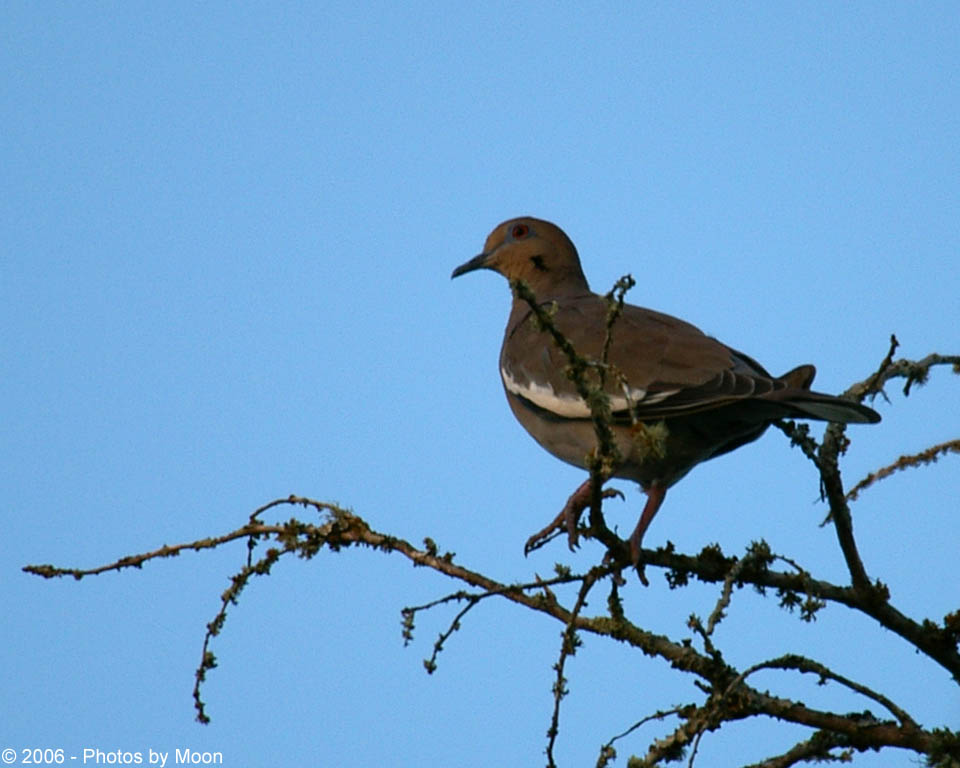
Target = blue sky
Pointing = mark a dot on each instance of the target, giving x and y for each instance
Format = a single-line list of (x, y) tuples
[(226, 235)]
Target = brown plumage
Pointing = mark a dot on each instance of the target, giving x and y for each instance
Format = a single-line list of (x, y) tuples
[(709, 398)]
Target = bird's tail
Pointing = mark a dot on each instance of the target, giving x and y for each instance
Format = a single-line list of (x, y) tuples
[(816, 405)]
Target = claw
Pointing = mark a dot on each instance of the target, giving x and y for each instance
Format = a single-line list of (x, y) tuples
[(569, 518), (540, 538), (635, 558)]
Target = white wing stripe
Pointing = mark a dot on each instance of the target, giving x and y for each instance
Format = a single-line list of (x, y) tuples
[(573, 407)]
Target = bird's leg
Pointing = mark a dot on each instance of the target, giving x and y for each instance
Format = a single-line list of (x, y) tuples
[(569, 517), (655, 496), (570, 514)]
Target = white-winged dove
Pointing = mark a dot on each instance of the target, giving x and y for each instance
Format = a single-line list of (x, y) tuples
[(703, 397)]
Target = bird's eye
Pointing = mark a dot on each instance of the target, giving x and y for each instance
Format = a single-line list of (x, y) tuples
[(519, 230)]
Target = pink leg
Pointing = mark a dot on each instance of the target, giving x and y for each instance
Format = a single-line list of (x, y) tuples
[(567, 520), (579, 500), (655, 496), (569, 517)]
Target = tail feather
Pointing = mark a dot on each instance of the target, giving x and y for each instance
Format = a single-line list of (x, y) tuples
[(817, 405), (814, 405), (800, 377)]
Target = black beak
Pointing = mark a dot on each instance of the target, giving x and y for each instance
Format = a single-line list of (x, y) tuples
[(477, 262)]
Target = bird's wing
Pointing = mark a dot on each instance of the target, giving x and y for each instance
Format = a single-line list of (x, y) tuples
[(659, 366)]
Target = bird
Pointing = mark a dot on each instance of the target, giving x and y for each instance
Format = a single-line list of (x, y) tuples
[(677, 397)]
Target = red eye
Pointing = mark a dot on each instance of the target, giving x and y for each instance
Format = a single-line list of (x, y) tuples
[(520, 230)]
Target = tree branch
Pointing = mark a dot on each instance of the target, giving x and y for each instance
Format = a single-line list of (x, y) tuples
[(907, 461), (729, 697)]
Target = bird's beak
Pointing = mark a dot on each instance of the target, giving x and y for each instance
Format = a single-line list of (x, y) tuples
[(477, 262)]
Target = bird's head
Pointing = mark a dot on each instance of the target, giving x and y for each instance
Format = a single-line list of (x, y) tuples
[(532, 250)]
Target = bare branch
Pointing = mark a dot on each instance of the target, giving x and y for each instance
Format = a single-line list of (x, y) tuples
[(596, 398), (568, 648), (729, 697), (606, 455), (807, 666), (818, 748), (914, 371), (928, 456), (137, 561), (607, 752)]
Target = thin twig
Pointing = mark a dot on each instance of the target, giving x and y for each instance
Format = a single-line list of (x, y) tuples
[(907, 461), (343, 529), (606, 455), (914, 371), (808, 666), (815, 749), (659, 715), (568, 648)]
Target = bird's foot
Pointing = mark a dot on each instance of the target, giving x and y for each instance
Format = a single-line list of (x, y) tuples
[(635, 540), (569, 518), (616, 568), (554, 529)]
